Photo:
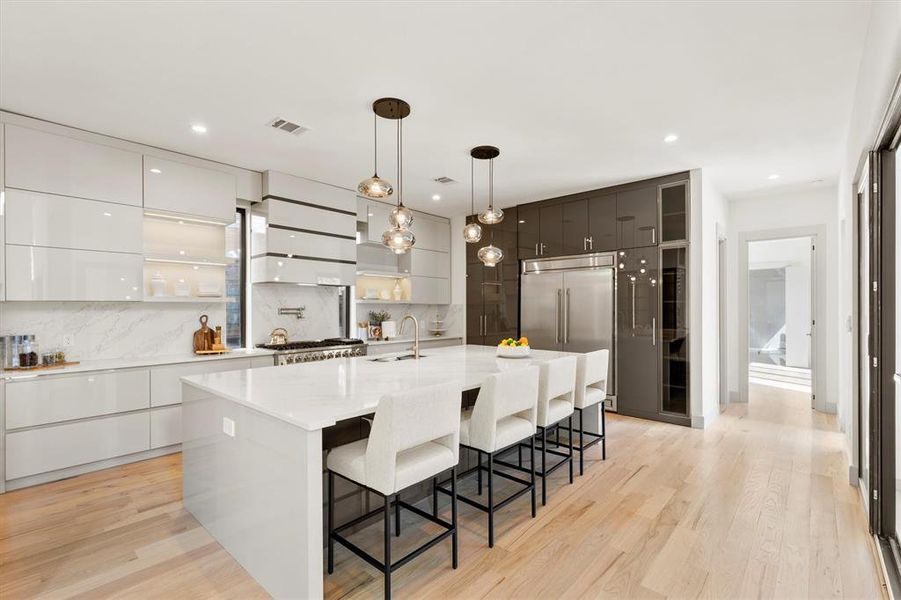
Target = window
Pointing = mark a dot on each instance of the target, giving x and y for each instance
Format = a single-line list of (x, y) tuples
[(235, 283)]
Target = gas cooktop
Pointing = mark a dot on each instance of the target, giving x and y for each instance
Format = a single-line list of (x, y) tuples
[(311, 344)]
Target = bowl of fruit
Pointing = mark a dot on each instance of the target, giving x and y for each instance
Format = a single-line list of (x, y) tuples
[(510, 348)]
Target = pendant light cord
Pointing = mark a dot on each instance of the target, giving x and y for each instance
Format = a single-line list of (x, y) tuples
[(400, 162), (491, 185), (375, 141), (472, 186)]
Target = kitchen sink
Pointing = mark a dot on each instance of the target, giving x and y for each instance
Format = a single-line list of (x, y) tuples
[(395, 358)]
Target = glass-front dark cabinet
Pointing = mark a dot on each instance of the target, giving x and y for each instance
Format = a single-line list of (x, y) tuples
[(637, 349), (673, 333), (492, 293), (673, 212)]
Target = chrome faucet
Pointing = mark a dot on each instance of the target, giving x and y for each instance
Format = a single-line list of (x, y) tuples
[(415, 333)]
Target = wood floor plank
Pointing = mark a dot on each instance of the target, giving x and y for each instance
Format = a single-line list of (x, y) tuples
[(757, 505)]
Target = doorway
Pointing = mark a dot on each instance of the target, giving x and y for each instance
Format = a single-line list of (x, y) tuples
[(779, 312)]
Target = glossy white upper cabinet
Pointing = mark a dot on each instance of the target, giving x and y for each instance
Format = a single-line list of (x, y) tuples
[(377, 215), (176, 188), (53, 399), (432, 233), (36, 219), (34, 273), (429, 290), (298, 243), (322, 195), (46, 162), (419, 261), (298, 216)]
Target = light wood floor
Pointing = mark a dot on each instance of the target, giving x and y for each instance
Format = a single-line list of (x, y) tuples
[(758, 505)]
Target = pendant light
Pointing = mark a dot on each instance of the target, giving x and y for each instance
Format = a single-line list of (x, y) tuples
[(490, 255), (472, 231), (375, 186), (491, 215), (398, 237)]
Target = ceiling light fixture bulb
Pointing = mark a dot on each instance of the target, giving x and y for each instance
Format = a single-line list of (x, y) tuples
[(491, 216), (472, 232), (398, 240), (375, 187), (669, 139), (400, 217), (490, 255)]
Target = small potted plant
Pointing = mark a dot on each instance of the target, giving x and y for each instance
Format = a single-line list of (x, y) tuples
[(377, 321)]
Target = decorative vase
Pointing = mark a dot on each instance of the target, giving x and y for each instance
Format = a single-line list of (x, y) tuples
[(397, 292)]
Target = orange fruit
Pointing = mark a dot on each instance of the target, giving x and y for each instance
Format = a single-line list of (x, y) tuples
[(524, 341)]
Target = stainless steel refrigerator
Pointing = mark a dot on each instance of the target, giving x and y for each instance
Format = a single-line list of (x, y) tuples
[(569, 304)]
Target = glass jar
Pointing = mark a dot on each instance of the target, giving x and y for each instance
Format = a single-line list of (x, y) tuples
[(28, 352)]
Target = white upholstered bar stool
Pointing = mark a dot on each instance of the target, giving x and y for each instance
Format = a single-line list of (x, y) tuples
[(556, 390), (415, 436), (591, 390), (505, 415)]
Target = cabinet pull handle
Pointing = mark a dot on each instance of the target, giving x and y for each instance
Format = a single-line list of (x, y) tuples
[(653, 235), (653, 331), (632, 286), (536, 249), (566, 319), (591, 242), (557, 318)]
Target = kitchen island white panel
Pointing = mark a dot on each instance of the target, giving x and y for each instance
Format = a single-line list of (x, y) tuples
[(35, 219), (34, 273), (57, 164), (39, 401), (44, 449)]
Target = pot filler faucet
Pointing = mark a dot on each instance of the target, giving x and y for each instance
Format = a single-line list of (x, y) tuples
[(415, 333)]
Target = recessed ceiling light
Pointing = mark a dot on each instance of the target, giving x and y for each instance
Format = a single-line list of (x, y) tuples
[(773, 176), (436, 197), (671, 138), (107, 214), (198, 128), (156, 171)]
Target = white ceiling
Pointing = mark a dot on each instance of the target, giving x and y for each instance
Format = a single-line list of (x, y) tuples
[(576, 95)]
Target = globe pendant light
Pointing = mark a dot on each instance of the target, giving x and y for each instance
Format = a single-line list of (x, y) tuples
[(375, 186), (398, 237), (491, 215), (472, 231), (490, 255)]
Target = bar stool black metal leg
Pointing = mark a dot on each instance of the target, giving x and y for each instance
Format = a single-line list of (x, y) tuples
[(331, 522), (519, 453), (490, 499), (570, 436), (581, 442), (532, 464), (397, 515), (604, 429), (434, 496), (543, 466), (387, 563), (454, 515), (479, 470)]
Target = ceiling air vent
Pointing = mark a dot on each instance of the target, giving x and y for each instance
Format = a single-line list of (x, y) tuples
[(444, 180), (288, 126)]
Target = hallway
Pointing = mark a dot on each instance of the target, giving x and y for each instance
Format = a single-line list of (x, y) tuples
[(758, 505)]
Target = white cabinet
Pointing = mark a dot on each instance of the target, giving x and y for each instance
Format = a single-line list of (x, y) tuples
[(165, 384), (52, 399), (299, 270), (377, 217), (427, 263), (36, 219), (34, 273), (177, 188), (44, 449), (432, 233), (46, 162), (284, 186), (430, 290), (292, 215), (290, 243), (165, 426)]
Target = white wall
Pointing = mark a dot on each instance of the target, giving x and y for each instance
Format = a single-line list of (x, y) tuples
[(787, 210), (879, 70)]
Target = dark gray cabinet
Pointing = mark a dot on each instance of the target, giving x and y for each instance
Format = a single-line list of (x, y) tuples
[(636, 333), (674, 212), (540, 230), (602, 224), (636, 217), (529, 232), (575, 227), (492, 293), (674, 363)]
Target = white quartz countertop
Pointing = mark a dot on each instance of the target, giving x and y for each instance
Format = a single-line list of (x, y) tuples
[(409, 340), (319, 394), (130, 363)]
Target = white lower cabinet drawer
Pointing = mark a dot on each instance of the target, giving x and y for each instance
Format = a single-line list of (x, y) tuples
[(165, 381), (165, 426), (60, 446), (52, 399)]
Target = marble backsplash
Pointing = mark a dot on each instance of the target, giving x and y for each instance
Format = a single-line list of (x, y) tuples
[(452, 315), (321, 317), (110, 330)]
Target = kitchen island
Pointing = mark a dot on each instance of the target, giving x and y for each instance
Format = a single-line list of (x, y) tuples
[(253, 441)]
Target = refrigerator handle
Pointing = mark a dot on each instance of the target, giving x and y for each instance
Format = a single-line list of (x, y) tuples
[(653, 331), (566, 319), (632, 286), (557, 317)]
